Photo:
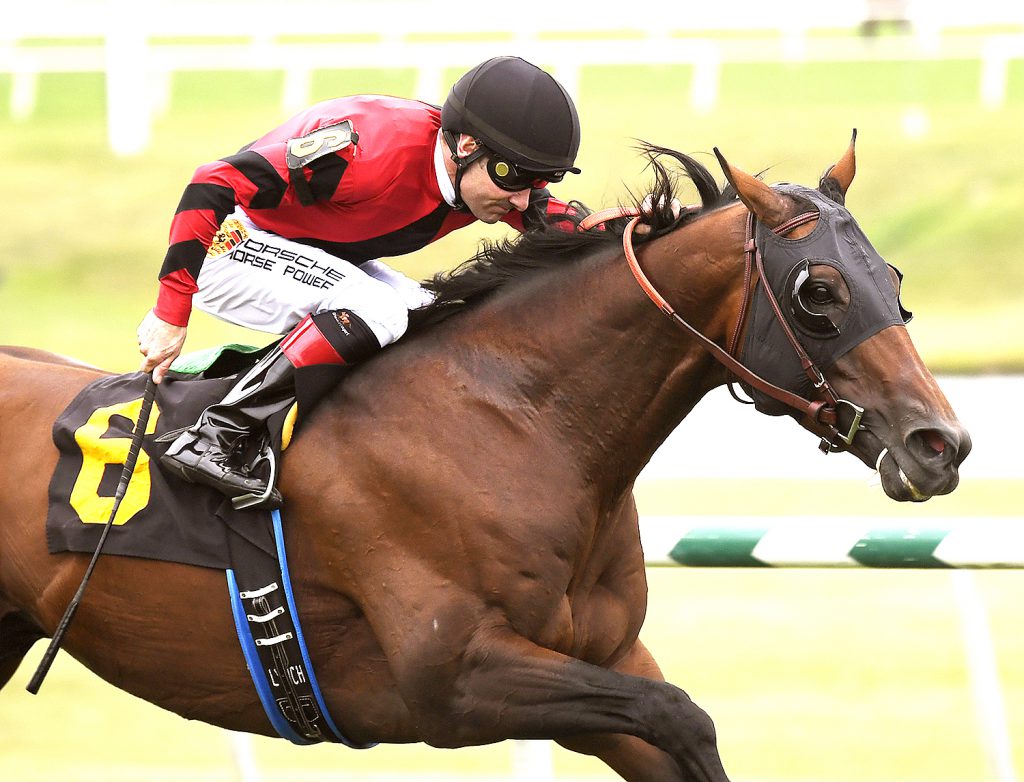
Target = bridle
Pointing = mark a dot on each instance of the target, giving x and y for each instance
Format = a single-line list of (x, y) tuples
[(821, 415)]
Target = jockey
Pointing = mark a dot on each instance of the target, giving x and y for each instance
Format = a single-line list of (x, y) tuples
[(285, 237)]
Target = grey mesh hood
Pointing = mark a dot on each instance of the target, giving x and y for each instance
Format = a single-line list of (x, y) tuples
[(838, 241)]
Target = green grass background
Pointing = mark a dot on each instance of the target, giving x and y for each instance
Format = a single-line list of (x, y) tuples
[(809, 675)]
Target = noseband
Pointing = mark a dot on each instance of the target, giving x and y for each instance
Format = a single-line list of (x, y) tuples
[(822, 414)]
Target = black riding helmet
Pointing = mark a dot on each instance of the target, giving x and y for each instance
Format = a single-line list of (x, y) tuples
[(519, 113)]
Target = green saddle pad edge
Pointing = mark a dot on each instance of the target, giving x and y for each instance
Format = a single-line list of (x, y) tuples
[(201, 360)]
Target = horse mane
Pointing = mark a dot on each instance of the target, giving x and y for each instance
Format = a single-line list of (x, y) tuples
[(499, 264)]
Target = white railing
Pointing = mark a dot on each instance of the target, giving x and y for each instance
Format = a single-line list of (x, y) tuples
[(140, 44)]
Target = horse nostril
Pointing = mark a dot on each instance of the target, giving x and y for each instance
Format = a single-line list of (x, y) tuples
[(933, 445), (933, 440)]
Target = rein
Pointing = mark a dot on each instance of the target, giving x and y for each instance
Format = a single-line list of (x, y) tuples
[(824, 412)]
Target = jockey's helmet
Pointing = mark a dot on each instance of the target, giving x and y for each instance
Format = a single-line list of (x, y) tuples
[(519, 113)]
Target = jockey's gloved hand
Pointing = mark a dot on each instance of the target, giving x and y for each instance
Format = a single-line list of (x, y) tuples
[(160, 343)]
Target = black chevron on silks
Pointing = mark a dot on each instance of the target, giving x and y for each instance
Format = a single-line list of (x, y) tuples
[(327, 173), (219, 199), (187, 255), (270, 186), (411, 237)]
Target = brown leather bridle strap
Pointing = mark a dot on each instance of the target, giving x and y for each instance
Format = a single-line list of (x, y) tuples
[(748, 273), (815, 411), (822, 413), (752, 256), (809, 367), (604, 215)]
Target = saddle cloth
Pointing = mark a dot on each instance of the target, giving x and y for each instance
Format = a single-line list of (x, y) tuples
[(161, 516), (157, 517)]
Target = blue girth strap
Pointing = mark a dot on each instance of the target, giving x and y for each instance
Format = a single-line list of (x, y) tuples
[(270, 635)]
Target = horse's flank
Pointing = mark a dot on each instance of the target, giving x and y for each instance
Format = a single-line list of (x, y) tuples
[(44, 357)]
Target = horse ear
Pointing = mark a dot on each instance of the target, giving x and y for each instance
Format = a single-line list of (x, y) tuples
[(767, 205), (844, 171)]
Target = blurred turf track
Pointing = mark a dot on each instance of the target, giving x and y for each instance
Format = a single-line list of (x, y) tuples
[(809, 675)]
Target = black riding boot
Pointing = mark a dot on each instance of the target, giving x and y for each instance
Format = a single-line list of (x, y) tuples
[(220, 449), (229, 447)]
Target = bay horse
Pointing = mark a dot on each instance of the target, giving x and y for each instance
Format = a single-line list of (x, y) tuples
[(462, 505)]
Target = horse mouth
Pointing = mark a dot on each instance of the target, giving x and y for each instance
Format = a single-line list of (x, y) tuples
[(899, 486), (915, 494)]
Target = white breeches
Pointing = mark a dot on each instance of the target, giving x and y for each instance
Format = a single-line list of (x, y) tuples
[(264, 282)]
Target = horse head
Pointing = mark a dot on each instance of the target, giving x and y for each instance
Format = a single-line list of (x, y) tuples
[(827, 297)]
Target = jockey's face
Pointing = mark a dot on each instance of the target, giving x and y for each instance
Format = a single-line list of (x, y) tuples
[(484, 199)]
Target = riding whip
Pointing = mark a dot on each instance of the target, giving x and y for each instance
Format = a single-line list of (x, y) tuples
[(122, 487)]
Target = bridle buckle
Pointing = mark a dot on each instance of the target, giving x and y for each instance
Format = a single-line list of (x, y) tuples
[(828, 445)]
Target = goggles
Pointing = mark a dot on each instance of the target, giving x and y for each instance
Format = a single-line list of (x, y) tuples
[(511, 178)]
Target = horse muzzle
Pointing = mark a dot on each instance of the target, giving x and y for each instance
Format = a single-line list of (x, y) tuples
[(925, 464)]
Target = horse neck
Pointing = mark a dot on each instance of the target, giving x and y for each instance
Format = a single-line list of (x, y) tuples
[(587, 352)]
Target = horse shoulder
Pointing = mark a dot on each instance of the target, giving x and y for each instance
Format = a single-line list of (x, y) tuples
[(451, 508)]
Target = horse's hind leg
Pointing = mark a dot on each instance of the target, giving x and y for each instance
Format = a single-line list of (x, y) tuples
[(17, 634)]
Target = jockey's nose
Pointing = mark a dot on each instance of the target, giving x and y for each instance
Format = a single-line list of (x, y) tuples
[(520, 199)]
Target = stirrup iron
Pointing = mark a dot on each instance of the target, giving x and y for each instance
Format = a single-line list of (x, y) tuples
[(247, 501)]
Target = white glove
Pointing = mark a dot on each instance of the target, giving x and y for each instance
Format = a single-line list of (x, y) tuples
[(647, 208)]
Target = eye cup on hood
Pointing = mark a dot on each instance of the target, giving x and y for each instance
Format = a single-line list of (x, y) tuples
[(807, 297)]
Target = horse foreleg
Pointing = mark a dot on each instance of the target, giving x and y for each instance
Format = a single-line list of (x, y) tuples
[(502, 686), (632, 758)]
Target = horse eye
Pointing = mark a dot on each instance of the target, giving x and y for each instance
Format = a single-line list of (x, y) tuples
[(807, 296), (819, 294)]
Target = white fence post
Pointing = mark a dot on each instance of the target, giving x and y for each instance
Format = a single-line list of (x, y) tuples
[(995, 66), (707, 68), (129, 105), (23, 93), (533, 761), (246, 767)]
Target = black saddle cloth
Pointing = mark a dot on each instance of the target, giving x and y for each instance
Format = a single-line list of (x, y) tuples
[(161, 516)]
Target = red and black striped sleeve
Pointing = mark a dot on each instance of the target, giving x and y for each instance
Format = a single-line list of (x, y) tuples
[(253, 180), (247, 178)]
